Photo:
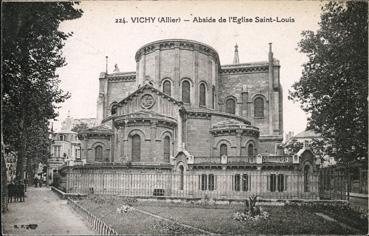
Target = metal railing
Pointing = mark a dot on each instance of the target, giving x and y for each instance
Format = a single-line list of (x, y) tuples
[(243, 159), (96, 224), (207, 184)]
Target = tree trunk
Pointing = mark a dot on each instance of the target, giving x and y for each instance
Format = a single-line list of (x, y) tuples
[(22, 150)]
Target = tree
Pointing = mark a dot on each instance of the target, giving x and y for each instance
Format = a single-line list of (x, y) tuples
[(32, 50), (79, 127), (333, 89)]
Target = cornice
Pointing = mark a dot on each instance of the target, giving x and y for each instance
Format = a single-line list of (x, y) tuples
[(177, 43)]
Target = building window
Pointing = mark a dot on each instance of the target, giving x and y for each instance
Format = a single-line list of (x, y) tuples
[(280, 183), (166, 149), (136, 148), (230, 106), (167, 87), (61, 137), (259, 107), (236, 182), (114, 109), (207, 182), (186, 92), (98, 153), (245, 182), (181, 180), (202, 95), (57, 151), (204, 181), (250, 150), (211, 182), (223, 149), (277, 183)]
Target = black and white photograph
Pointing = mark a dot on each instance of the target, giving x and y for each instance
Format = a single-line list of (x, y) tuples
[(184, 117)]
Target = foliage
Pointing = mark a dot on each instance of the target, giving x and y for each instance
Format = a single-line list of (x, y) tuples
[(333, 89), (252, 212), (79, 127), (320, 147), (32, 51)]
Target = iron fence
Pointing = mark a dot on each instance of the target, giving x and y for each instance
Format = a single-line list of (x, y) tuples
[(96, 224), (207, 184)]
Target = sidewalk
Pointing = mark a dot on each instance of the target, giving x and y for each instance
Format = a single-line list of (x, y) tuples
[(43, 213)]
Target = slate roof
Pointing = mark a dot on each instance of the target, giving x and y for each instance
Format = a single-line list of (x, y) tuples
[(308, 134), (101, 129)]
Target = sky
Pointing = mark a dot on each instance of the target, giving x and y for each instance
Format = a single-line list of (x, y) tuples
[(96, 35)]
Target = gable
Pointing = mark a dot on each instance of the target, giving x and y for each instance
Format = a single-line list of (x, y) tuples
[(150, 99)]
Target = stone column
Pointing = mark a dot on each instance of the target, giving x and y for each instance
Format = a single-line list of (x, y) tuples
[(179, 132)]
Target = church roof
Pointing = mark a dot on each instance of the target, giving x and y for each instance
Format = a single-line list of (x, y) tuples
[(101, 129), (145, 114), (156, 91), (229, 123)]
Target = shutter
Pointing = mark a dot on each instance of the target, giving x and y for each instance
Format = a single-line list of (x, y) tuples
[(268, 182)]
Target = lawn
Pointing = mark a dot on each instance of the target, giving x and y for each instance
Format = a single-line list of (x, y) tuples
[(214, 218)]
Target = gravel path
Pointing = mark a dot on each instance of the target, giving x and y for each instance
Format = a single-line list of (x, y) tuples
[(43, 212)]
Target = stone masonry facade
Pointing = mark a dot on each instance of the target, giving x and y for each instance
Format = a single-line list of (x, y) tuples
[(182, 111)]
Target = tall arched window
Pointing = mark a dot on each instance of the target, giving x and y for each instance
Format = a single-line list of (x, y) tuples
[(223, 149), (230, 106), (98, 153), (166, 149), (259, 107), (136, 148), (250, 150), (114, 109), (202, 95), (186, 92), (167, 87)]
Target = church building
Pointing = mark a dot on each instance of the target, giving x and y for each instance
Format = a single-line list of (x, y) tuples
[(182, 112)]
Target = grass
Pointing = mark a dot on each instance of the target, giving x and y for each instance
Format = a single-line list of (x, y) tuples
[(216, 219), (132, 222)]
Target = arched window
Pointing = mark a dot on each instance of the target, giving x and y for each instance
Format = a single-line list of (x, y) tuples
[(167, 87), (136, 148), (259, 107), (230, 106), (250, 150), (223, 149), (186, 92), (114, 109), (98, 153), (202, 95), (166, 149), (181, 176)]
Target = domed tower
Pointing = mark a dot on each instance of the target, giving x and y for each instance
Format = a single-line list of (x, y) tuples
[(184, 69)]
